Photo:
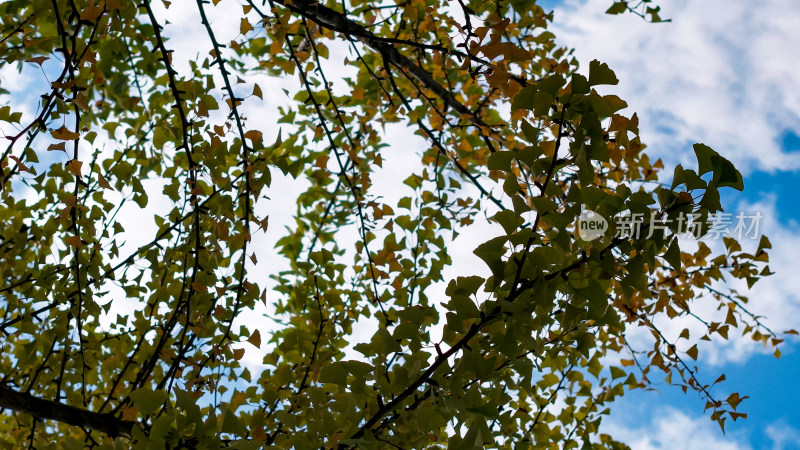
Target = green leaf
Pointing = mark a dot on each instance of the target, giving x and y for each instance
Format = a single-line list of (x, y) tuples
[(693, 181), (600, 73), (616, 372), (531, 134), (491, 253), (551, 84), (678, 176), (673, 255), (542, 102), (725, 174), (500, 161), (710, 200), (359, 369), (509, 220), (335, 373), (617, 8), (580, 85), (524, 98), (511, 185), (464, 285), (148, 401), (232, 424), (704, 154)]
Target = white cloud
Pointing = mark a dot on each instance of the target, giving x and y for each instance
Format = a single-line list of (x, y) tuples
[(722, 73), (783, 436), (674, 430)]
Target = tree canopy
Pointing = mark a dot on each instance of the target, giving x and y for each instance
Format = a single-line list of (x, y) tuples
[(113, 345)]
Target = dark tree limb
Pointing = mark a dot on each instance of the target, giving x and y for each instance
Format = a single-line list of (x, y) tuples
[(50, 410)]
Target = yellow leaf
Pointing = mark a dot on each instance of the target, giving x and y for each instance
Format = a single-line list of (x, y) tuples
[(692, 352), (734, 400), (101, 180), (245, 26), (238, 353), (58, 146), (730, 318), (253, 135), (548, 147), (202, 109), (129, 413), (20, 164), (80, 100), (74, 166), (74, 241), (37, 60), (65, 134), (255, 339), (91, 13), (62, 85), (265, 224), (259, 434), (257, 92)]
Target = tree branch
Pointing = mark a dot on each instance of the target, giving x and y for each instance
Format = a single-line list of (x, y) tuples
[(336, 21), (46, 409)]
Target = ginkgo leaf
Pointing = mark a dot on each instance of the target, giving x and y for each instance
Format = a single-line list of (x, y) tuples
[(91, 13), (146, 400), (74, 166), (57, 146), (238, 353), (64, 134), (101, 180), (600, 73), (245, 27), (129, 413), (80, 100), (22, 167), (74, 241), (255, 339), (617, 8), (37, 60)]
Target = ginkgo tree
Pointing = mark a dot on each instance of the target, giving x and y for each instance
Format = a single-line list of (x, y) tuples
[(529, 356)]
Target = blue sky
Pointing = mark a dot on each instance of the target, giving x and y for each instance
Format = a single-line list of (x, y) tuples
[(721, 73)]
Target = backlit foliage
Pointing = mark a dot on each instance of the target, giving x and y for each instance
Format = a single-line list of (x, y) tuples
[(103, 341)]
